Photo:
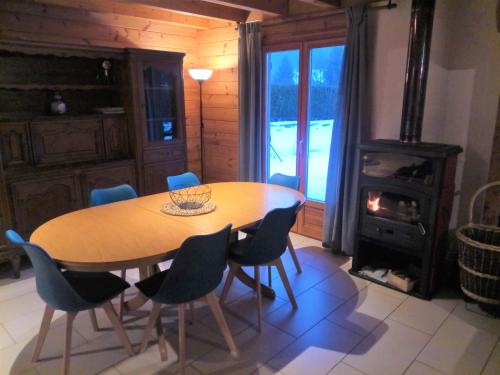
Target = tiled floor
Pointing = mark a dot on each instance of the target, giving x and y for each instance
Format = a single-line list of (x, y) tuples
[(344, 326)]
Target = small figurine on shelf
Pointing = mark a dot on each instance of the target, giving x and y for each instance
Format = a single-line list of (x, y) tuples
[(57, 106), (106, 66)]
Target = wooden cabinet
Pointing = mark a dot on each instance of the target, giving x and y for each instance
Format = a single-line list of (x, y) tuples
[(14, 145), (38, 200), (159, 118), (67, 141)]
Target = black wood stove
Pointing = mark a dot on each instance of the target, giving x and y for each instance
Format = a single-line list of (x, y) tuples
[(406, 187)]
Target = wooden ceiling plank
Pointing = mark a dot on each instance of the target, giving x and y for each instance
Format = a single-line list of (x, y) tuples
[(197, 7), (333, 3), (134, 10), (279, 7)]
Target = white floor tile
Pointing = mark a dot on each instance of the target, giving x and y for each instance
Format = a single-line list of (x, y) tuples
[(255, 350), (343, 369), (493, 365), (300, 282), (5, 338), (317, 351), (342, 285), (426, 316), (388, 350), (14, 307), (459, 348), (10, 288), (418, 368), (26, 326), (365, 311), (313, 306)]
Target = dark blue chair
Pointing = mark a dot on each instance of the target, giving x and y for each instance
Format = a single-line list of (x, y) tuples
[(72, 292), (291, 182), (196, 271), (111, 195), (182, 181), (102, 196), (264, 248)]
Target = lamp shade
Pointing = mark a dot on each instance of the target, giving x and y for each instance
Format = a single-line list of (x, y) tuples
[(200, 74)]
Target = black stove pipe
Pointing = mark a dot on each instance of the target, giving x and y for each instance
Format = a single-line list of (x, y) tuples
[(417, 67)]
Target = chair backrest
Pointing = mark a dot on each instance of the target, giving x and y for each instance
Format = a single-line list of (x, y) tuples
[(182, 181), (292, 182), (270, 240), (197, 268), (51, 285), (112, 194)]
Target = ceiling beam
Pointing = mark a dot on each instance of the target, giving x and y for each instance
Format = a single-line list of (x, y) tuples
[(333, 3), (134, 10), (197, 7), (275, 7)]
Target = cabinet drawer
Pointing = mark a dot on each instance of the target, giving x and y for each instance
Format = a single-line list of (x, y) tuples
[(14, 145), (63, 142), (164, 154)]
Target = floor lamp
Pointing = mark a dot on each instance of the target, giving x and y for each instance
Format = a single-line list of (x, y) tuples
[(201, 75)]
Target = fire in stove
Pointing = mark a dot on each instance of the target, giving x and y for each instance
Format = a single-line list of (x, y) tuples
[(373, 203), (393, 206)]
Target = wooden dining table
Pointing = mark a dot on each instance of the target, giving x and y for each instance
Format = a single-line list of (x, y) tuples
[(136, 234)]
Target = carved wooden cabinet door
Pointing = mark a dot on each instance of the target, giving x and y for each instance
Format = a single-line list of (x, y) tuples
[(105, 177), (14, 145), (63, 142), (39, 200), (115, 137), (155, 175)]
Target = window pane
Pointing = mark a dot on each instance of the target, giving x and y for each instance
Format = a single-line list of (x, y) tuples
[(324, 76), (281, 111)]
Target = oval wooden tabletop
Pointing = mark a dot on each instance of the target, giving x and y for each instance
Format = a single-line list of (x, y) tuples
[(136, 233)]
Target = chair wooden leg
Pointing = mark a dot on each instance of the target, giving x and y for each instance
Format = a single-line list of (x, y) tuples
[(191, 312), (233, 268), (122, 297), (221, 322), (285, 281), (117, 325), (93, 320), (162, 342), (269, 276), (182, 339), (259, 298), (42, 334), (293, 254), (153, 316), (70, 317)]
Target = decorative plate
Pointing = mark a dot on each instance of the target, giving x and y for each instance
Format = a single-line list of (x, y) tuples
[(171, 208)]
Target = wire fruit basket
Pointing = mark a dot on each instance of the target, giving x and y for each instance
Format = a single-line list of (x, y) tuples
[(479, 257), (191, 198)]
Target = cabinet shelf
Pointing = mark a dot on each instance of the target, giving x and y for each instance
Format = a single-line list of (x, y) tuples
[(61, 87)]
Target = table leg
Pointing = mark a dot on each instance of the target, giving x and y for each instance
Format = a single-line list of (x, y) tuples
[(250, 282)]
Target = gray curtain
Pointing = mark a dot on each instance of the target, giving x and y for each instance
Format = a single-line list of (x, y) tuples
[(250, 113), (341, 194)]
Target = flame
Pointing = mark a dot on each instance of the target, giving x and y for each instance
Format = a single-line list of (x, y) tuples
[(373, 203)]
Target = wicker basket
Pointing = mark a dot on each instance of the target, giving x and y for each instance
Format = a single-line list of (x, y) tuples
[(479, 257)]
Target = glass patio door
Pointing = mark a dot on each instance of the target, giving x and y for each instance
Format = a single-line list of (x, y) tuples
[(301, 85)]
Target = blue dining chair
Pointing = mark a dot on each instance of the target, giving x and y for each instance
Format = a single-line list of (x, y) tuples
[(110, 195), (263, 249), (71, 292), (291, 182), (182, 181), (196, 271), (103, 196)]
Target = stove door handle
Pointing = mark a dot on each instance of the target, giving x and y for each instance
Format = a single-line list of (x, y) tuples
[(421, 228)]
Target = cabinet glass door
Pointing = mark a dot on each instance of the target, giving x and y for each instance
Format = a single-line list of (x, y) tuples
[(160, 104)]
